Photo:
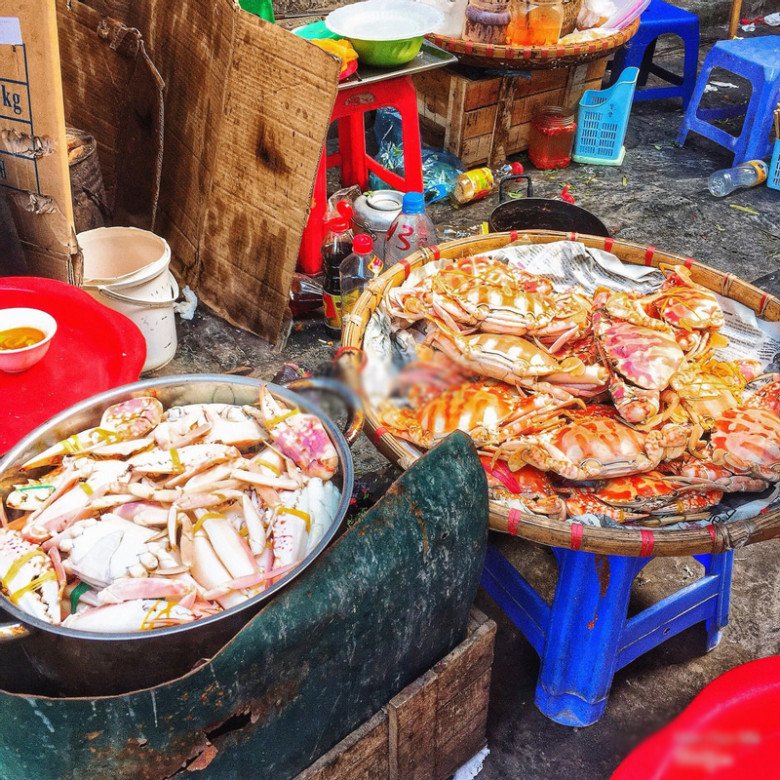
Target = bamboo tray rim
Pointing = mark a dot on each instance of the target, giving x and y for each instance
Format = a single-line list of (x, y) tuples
[(552, 55), (628, 541)]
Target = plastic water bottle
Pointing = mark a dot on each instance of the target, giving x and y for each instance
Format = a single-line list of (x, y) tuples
[(357, 270), (411, 230), (748, 174)]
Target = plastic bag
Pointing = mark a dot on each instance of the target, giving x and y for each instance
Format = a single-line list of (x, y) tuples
[(440, 168), (593, 13)]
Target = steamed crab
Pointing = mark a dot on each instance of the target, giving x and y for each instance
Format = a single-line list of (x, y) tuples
[(490, 412), (642, 353), (596, 447)]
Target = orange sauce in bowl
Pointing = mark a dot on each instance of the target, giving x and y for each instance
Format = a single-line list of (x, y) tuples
[(19, 338)]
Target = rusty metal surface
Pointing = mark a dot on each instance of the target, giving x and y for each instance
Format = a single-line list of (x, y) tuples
[(388, 600)]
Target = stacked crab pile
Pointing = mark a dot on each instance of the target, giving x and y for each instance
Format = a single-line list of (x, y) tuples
[(156, 518), (612, 404)]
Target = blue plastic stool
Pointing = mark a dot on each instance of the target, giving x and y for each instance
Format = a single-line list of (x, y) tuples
[(585, 636), (659, 19), (758, 61)]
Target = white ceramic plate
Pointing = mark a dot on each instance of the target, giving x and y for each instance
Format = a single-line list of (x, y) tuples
[(384, 20)]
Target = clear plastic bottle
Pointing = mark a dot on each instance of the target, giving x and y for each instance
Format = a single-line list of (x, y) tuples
[(411, 230), (357, 270), (480, 182), (748, 174)]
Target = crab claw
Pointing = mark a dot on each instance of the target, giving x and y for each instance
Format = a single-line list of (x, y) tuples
[(135, 615), (301, 437), (130, 588)]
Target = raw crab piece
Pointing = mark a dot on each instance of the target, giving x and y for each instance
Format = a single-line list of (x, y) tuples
[(596, 448), (528, 489), (130, 589), (135, 615), (108, 550), (640, 495), (301, 437), (127, 420), (642, 354), (28, 577), (489, 412), (519, 362)]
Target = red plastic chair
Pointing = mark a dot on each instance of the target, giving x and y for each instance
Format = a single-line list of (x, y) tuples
[(730, 731), (352, 104)]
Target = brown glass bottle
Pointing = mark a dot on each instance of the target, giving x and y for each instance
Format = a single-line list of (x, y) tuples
[(336, 246)]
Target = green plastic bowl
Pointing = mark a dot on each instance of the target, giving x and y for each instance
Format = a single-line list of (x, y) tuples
[(385, 54)]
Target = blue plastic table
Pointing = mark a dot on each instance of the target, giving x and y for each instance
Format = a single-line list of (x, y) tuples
[(585, 635)]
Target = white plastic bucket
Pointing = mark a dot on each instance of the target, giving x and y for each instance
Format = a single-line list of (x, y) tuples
[(127, 270)]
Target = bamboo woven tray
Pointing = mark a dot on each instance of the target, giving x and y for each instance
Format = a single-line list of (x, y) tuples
[(484, 55), (712, 538)]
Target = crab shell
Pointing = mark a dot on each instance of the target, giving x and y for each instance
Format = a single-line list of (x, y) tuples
[(528, 489), (684, 304), (747, 441)]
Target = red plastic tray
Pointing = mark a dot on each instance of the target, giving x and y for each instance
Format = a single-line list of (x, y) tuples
[(94, 349)]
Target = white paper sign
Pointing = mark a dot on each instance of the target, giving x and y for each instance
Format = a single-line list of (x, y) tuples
[(10, 31)]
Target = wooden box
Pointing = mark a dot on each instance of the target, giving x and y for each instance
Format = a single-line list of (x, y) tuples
[(482, 117), (430, 728)]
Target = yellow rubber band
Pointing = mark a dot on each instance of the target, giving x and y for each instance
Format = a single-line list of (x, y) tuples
[(305, 516), (16, 566), (36, 583)]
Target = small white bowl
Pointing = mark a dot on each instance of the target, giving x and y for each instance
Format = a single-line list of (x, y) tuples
[(14, 361)]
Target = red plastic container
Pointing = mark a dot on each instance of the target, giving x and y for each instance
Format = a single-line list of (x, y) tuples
[(730, 731), (94, 349), (552, 138)]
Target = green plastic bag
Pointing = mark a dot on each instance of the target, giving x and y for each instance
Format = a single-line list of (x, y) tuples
[(262, 8)]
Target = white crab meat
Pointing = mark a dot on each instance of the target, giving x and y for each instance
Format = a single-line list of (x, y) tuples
[(136, 615), (28, 577), (214, 423), (101, 552), (175, 461)]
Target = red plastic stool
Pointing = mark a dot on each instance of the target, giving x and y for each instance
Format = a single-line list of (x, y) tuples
[(352, 103)]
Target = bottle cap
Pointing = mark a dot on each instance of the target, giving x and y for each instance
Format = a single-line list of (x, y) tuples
[(341, 223), (517, 168), (414, 203), (363, 244)]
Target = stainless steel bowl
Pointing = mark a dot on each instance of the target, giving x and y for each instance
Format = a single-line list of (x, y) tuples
[(84, 663)]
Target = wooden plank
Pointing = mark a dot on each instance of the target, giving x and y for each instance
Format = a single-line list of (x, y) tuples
[(523, 110), (476, 151), (518, 137), (451, 718), (500, 148), (455, 753), (364, 752), (453, 131), (467, 663), (479, 122), (411, 715)]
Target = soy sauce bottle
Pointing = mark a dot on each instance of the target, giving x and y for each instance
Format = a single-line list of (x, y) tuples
[(335, 248)]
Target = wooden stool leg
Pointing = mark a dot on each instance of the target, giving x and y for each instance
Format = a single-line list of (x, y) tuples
[(583, 637)]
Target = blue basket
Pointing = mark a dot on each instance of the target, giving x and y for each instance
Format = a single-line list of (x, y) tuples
[(602, 122), (773, 180)]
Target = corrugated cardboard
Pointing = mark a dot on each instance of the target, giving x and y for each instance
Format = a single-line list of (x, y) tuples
[(244, 114), (33, 149)]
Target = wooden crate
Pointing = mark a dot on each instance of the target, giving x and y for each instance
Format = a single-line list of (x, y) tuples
[(483, 118), (430, 728)]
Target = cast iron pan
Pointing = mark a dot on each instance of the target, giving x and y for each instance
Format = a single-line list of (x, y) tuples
[(541, 214)]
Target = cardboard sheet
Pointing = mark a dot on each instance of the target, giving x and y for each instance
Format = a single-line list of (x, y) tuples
[(244, 115), (33, 149)]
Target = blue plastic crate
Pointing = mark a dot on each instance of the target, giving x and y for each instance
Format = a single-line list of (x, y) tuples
[(773, 179), (603, 120)]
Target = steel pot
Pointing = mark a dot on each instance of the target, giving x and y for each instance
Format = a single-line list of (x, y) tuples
[(541, 213), (42, 658)]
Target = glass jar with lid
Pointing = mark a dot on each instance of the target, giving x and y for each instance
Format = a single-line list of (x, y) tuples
[(551, 138), (535, 22)]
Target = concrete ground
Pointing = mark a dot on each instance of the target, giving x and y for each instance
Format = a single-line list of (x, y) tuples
[(658, 197)]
